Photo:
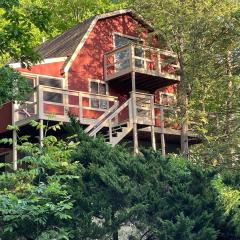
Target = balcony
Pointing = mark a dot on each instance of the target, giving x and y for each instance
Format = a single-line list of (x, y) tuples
[(154, 68), (49, 103)]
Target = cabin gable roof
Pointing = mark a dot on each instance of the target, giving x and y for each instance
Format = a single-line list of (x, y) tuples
[(69, 43)]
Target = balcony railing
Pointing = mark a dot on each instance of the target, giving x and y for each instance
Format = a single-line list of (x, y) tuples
[(142, 59), (50, 103)]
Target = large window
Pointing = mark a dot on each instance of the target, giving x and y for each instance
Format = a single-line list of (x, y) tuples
[(122, 57), (98, 87)]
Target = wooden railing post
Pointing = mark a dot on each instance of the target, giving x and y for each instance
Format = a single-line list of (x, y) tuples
[(159, 62), (80, 106), (144, 58), (132, 57), (105, 66), (163, 147)]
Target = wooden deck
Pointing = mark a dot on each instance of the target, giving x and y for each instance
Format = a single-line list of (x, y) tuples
[(154, 68), (55, 104)]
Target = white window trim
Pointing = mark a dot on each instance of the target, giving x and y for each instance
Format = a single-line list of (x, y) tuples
[(98, 81), (89, 90), (36, 76), (126, 36)]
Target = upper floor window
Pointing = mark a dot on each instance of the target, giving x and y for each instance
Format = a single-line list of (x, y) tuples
[(122, 57), (98, 87), (51, 82)]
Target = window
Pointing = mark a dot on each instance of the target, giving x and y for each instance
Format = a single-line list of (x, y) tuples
[(51, 82), (98, 87), (122, 57), (167, 99), (52, 97)]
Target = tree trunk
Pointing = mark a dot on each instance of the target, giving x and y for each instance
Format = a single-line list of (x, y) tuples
[(184, 129), (115, 235), (183, 101), (229, 104)]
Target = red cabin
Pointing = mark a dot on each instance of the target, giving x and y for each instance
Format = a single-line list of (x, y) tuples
[(111, 74)]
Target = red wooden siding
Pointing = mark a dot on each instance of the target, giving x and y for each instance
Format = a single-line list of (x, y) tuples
[(89, 62), (49, 69), (5, 116)]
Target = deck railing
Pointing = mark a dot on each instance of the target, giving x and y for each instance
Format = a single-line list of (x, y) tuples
[(55, 104), (143, 59)]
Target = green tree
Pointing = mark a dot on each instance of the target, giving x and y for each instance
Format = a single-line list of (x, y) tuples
[(35, 202), (65, 14), (205, 34), (82, 188), (16, 43)]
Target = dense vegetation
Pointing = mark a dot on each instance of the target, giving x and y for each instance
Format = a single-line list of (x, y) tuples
[(80, 188)]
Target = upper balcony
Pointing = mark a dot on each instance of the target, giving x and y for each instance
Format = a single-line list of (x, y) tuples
[(154, 68)]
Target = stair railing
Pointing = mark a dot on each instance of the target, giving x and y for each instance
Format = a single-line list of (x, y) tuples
[(102, 117), (108, 120)]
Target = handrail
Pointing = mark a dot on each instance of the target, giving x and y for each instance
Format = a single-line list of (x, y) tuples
[(162, 51), (152, 60), (91, 126), (166, 107), (77, 105), (118, 49), (109, 118), (84, 94)]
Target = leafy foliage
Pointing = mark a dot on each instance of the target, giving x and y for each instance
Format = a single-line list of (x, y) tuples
[(82, 188), (13, 86)]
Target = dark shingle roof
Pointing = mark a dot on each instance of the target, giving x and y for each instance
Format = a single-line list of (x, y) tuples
[(66, 43)]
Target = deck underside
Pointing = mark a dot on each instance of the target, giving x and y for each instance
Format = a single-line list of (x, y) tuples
[(144, 82)]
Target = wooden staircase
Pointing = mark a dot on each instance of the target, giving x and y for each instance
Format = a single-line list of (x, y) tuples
[(118, 133), (137, 109), (109, 126)]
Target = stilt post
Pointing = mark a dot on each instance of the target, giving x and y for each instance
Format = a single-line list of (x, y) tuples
[(153, 137), (15, 150), (134, 114), (163, 146), (41, 133)]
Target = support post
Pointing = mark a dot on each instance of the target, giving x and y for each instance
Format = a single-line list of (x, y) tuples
[(163, 146), (41, 134), (153, 137), (14, 150), (134, 115), (110, 130)]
